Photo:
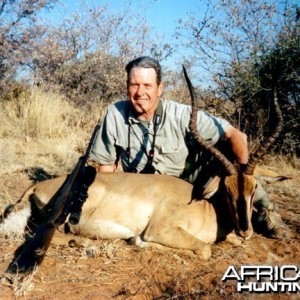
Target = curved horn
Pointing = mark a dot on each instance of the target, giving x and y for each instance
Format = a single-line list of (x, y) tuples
[(229, 167), (266, 145)]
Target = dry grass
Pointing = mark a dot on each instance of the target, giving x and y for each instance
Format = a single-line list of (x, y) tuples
[(21, 285), (37, 114), (283, 166), (42, 130)]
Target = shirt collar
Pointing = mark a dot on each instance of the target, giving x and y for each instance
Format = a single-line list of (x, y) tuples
[(134, 120)]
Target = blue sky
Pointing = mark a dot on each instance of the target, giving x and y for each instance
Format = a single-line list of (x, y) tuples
[(162, 15)]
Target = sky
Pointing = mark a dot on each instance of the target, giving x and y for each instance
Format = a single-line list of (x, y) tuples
[(161, 14)]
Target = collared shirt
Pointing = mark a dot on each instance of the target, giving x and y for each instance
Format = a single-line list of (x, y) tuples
[(120, 130)]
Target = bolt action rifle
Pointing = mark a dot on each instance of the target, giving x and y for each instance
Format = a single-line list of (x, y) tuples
[(67, 201)]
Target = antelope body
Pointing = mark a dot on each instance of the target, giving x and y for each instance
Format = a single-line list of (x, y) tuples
[(151, 210)]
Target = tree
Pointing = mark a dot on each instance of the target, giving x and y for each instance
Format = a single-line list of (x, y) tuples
[(243, 45), (231, 32), (283, 63), (85, 55), (278, 67), (17, 31)]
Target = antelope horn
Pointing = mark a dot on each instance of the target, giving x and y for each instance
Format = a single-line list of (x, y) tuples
[(266, 145), (229, 167)]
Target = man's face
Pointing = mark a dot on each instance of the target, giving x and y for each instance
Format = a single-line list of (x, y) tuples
[(144, 92)]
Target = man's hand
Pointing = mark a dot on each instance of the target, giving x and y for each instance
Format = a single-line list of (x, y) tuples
[(107, 168), (239, 145)]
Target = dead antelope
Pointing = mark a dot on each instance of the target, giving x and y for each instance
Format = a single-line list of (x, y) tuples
[(156, 210)]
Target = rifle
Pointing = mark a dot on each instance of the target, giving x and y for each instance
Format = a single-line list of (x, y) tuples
[(68, 200)]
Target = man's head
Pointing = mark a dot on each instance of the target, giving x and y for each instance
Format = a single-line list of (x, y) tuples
[(144, 86), (147, 63)]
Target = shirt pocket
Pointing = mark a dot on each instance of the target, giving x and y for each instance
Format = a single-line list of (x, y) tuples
[(124, 144), (174, 153)]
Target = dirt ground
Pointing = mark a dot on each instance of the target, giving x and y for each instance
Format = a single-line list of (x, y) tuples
[(115, 270)]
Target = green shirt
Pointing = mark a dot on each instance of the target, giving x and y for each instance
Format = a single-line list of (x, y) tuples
[(120, 130)]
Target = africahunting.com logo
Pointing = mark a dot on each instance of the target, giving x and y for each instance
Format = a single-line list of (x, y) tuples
[(264, 279)]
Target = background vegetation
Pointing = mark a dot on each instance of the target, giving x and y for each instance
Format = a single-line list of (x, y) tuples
[(57, 79)]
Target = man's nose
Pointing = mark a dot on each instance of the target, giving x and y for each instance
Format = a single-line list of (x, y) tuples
[(141, 90)]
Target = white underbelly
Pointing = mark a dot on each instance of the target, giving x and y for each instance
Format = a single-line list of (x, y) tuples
[(103, 229)]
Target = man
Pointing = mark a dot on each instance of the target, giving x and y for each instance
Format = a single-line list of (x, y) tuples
[(151, 135)]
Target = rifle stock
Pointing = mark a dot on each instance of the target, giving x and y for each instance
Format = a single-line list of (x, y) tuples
[(32, 252)]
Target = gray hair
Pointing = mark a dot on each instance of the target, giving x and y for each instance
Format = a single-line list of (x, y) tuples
[(145, 62)]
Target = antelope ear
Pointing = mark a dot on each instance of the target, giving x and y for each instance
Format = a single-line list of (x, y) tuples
[(211, 188), (269, 176)]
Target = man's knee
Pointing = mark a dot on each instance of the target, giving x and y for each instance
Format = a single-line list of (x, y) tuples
[(261, 200)]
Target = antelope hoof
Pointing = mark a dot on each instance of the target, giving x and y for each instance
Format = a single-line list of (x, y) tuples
[(233, 239), (204, 253)]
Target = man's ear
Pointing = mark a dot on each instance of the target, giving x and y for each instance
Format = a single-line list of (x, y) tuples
[(160, 89), (127, 88)]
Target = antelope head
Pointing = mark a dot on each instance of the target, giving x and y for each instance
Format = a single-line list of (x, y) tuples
[(239, 183)]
